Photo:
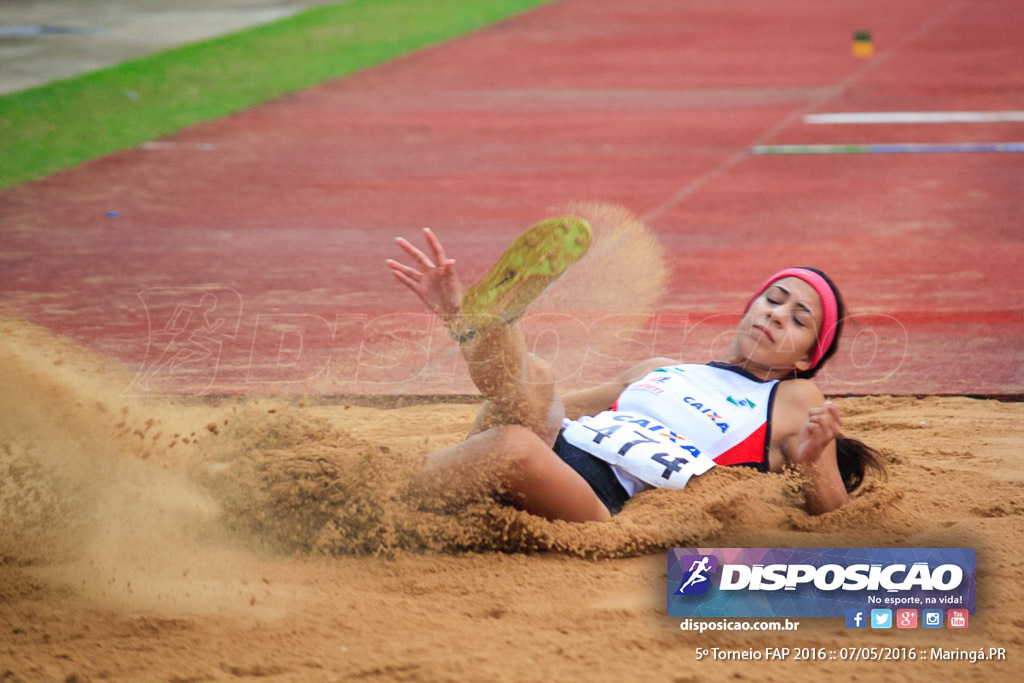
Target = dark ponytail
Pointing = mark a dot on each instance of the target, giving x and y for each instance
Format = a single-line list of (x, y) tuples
[(854, 458)]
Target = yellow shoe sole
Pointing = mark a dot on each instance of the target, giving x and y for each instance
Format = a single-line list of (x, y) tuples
[(533, 261)]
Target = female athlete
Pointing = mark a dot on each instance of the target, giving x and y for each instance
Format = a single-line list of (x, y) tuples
[(581, 456)]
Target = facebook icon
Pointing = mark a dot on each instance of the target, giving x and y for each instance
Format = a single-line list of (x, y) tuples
[(856, 618)]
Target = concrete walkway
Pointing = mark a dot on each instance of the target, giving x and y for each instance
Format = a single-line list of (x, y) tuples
[(48, 40)]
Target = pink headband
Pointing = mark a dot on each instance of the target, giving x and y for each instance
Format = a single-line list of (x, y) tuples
[(828, 303)]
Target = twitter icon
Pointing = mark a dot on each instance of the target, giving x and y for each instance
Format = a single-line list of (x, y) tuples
[(881, 618)]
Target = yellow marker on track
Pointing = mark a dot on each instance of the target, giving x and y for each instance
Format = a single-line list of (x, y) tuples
[(863, 48)]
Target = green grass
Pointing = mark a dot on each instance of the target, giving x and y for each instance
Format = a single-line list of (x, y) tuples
[(62, 124)]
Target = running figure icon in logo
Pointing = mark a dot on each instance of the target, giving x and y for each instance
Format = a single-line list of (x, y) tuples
[(696, 580)]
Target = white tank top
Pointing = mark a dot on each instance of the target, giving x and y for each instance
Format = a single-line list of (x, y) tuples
[(678, 422)]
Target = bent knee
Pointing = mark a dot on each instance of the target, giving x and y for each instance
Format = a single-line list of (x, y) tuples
[(520, 454), (516, 444)]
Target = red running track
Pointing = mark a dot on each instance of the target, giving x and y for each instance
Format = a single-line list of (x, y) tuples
[(246, 255)]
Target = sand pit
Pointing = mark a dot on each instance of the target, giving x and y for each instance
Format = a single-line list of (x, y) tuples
[(223, 538), (159, 539)]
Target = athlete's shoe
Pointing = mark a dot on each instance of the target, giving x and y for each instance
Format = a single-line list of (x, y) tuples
[(533, 261)]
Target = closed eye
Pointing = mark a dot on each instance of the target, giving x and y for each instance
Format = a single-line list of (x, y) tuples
[(803, 316)]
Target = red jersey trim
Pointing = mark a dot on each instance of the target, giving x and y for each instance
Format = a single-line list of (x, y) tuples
[(750, 451)]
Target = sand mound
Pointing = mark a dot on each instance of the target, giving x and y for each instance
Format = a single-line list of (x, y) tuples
[(92, 472), (278, 537), (306, 487)]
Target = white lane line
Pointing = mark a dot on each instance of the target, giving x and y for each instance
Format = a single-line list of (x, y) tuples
[(915, 117), (887, 148)]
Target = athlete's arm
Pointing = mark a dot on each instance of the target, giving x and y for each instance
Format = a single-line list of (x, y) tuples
[(435, 282), (595, 399), (810, 445)]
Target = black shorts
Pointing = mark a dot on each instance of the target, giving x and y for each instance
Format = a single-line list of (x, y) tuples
[(596, 472)]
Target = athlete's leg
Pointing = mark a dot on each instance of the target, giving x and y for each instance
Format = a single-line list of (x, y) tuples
[(521, 466), (518, 388), (510, 442)]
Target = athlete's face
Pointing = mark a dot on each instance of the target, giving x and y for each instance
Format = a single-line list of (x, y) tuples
[(780, 329)]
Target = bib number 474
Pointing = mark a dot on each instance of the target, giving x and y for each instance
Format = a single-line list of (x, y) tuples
[(672, 464)]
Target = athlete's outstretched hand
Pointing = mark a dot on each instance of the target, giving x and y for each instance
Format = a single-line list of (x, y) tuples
[(822, 426), (435, 283)]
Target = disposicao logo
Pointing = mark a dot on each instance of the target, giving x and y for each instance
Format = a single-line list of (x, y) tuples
[(819, 582), (696, 580)]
